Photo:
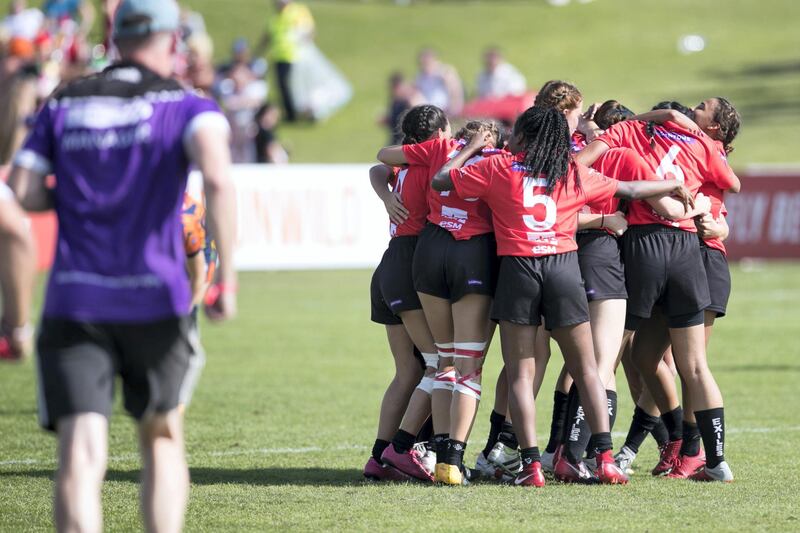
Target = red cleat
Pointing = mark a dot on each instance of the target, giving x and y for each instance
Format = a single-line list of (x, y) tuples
[(567, 472), (670, 454), (531, 475), (409, 463), (607, 472), (688, 465)]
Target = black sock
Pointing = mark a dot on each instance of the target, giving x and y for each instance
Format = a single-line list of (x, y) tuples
[(602, 442), (691, 439), (660, 433), (641, 424), (560, 401), (455, 452), (530, 455), (577, 430), (611, 400), (426, 431), (378, 447), (711, 424), (440, 446), (611, 397), (403, 441), (495, 427), (674, 423), (507, 436)]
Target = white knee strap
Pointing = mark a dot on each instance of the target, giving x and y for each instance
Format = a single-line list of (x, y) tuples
[(445, 380), (431, 359), (469, 350), (426, 384), (469, 386), (445, 350)]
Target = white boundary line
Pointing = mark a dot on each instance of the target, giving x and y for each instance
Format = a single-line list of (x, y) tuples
[(318, 449)]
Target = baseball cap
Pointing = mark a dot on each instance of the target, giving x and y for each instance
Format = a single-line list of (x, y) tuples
[(138, 18)]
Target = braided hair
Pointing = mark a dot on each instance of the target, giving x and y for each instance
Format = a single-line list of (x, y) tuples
[(729, 122), (544, 136), (559, 95), (611, 112), (420, 122)]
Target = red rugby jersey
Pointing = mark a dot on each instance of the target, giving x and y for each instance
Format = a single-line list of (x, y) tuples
[(462, 217), (716, 195), (622, 164), (528, 222), (692, 158), (412, 184)]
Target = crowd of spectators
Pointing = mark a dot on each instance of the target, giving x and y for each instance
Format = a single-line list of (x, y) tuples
[(47, 45), (500, 90)]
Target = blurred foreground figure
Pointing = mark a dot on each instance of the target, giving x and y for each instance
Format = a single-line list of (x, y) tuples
[(16, 278), (118, 300)]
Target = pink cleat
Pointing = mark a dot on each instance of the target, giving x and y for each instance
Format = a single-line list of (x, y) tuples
[(409, 463), (688, 465), (375, 471)]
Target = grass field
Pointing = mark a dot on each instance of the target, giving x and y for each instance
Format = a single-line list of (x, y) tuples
[(286, 412)]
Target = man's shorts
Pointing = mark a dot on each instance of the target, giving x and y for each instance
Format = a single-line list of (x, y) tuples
[(601, 266), (78, 363), (664, 266), (448, 268), (529, 288), (392, 289), (719, 279)]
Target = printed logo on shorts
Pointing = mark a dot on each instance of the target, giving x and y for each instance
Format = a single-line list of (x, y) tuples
[(395, 302), (474, 282)]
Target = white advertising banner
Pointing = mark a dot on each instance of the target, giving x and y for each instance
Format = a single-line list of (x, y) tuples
[(307, 217)]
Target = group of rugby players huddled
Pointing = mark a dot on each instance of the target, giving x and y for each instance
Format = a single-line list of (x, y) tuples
[(602, 229)]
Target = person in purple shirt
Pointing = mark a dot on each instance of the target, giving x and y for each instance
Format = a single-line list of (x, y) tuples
[(120, 144)]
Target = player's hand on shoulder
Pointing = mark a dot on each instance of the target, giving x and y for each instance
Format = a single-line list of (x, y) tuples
[(479, 141)]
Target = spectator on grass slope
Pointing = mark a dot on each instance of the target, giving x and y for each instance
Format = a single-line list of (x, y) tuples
[(268, 147), (499, 78), (439, 83), (241, 94), (289, 28)]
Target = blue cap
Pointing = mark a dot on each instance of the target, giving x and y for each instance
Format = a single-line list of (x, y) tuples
[(138, 18)]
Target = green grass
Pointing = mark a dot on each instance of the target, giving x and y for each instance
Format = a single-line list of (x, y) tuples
[(623, 49), (302, 367)]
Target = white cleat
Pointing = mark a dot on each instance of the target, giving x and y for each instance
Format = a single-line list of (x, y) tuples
[(505, 460), (483, 468), (426, 456), (721, 472), (624, 460)]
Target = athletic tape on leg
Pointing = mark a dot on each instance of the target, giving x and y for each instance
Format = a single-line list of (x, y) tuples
[(426, 384), (445, 380), (445, 350), (468, 386), (431, 359), (469, 350)]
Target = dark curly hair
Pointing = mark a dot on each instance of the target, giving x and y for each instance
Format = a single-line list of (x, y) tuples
[(420, 122), (650, 129), (729, 122), (611, 112), (545, 140)]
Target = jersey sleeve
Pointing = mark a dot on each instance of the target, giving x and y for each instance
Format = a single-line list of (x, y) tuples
[(473, 181), (719, 171), (37, 151), (617, 135), (421, 153), (202, 113), (599, 189)]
